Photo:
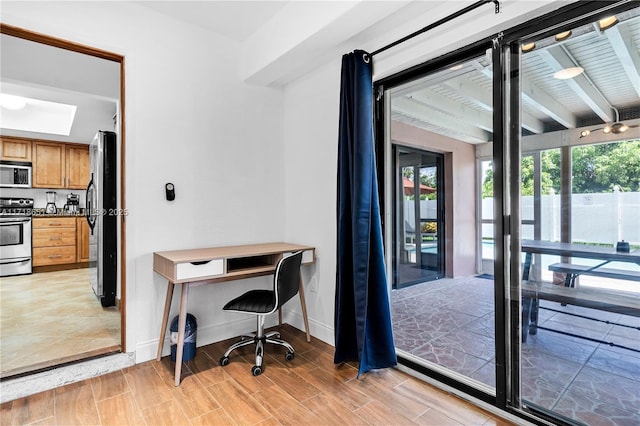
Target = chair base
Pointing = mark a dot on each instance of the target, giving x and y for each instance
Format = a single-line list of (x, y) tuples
[(259, 339)]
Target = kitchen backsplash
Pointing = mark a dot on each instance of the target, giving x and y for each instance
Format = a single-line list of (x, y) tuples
[(40, 195)]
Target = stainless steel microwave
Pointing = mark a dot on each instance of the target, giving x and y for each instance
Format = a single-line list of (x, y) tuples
[(15, 174)]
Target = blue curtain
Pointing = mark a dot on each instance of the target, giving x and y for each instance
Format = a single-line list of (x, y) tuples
[(362, 324)]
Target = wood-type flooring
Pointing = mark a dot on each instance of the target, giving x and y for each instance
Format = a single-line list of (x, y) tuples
[(309, 390)]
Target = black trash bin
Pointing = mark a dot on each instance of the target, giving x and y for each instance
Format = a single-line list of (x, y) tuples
[(189, 347)]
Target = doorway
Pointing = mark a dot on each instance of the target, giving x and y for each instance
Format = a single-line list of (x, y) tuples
[(419, 220), (56, 319)]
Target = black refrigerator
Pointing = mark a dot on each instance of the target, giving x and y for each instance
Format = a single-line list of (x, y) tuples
[(102, 215)]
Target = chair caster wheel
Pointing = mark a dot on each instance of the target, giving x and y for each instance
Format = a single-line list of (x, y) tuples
[(289, 356), (256, 370), (224, 361)]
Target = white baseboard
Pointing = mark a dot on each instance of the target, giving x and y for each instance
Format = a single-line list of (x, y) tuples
[(146, 351)]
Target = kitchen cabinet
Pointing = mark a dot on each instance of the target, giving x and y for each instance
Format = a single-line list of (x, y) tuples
[(82, 239), (54, 240), (77, 166), (48, 165), (15, 149), (60, 165)]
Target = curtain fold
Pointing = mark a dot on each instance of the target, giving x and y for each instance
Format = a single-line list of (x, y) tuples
[(362, 324)]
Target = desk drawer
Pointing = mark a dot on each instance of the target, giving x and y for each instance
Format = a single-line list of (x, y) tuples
[(307, 256), (189, 270)]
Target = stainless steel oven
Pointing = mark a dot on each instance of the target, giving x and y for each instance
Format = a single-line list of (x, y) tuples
[(15, 236)]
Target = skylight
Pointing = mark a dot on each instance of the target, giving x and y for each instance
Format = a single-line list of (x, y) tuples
[(35, 115)]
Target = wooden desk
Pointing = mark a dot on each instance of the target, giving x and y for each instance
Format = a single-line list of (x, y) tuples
[(186, 268)]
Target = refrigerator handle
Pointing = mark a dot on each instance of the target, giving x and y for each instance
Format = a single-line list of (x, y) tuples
[(90, 218)]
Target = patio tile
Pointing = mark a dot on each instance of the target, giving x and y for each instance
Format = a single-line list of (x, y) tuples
[(608, 389), (484, 325), (620, 362), (451, 323), (486, 374), (540, 393), (579, 406), (450, 358), (539, 367), (468, 342), (560, 346)]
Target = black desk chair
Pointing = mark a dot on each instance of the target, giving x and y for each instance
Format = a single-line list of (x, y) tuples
[(263, 303)]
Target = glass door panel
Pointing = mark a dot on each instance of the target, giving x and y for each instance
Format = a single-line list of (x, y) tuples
[(419, 255), (442, 305), (580, 187)]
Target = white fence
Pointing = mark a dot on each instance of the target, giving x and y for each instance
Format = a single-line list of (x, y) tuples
[(602, 218)]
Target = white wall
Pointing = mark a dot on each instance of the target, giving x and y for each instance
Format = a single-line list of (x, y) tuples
[(190, 120), (227, 147)]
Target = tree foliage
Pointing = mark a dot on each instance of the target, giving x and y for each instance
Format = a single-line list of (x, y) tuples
[(596, 168)]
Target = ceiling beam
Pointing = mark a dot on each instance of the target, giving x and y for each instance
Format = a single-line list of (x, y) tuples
[(474, 117), (416, 110), (558, 58), (484, 99), (627, 52)]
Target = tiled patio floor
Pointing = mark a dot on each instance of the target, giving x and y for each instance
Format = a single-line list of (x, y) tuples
[(450, 322)]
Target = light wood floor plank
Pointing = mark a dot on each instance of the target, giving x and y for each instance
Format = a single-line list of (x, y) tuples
[(75, 405), (310, 390), (166, 414), (238, 403), (32, 408), (120, 410), (109, 385)]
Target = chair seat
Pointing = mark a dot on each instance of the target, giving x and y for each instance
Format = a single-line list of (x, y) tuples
[(257, 301)]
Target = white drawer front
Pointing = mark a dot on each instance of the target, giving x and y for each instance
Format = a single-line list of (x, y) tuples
[(189, 270), (307, 256)]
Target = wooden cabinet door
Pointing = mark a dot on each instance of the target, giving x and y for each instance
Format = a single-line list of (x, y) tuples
[(48, 165), (82, 239), (77, 164), (12, 149)]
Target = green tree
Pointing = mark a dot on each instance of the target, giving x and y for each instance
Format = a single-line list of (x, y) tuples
[(596, 168)]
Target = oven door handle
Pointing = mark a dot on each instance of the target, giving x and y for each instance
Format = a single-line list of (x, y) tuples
[(12, 221), (22, 260)]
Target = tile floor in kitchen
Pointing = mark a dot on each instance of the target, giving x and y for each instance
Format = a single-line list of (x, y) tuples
[(450, 322), (51, 318)]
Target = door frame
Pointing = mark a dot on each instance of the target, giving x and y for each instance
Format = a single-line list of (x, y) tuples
[(398, 189), (115, 57)]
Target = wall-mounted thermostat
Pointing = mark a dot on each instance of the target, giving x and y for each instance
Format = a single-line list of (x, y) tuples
[(170, 191)]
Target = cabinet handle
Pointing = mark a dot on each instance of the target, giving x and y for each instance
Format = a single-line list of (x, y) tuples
[(54, 256), (55, 223), (55, 238)]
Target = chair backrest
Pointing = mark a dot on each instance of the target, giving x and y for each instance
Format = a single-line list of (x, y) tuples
[(286, 279)]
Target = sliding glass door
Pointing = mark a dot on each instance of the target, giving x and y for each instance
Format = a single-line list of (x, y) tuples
[(536, 308), (419, 222)]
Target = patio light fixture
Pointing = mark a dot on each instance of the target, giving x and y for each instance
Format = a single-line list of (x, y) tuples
[(567, 73), (616, 128), (563, 35), (528, 47), (606, 23)]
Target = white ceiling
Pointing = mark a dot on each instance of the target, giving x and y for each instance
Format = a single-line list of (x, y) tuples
[(236, 20)]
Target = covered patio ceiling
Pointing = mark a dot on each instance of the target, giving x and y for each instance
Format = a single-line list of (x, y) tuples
[(457, 102)]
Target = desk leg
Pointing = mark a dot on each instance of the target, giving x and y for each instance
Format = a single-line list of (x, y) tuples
[(303, 304), (182, 322), (165, 319)]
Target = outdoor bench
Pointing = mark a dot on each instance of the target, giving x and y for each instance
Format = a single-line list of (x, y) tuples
[(626, 303), (573, 271)]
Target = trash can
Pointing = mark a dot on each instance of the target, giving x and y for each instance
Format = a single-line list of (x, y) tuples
[(189, 347)]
